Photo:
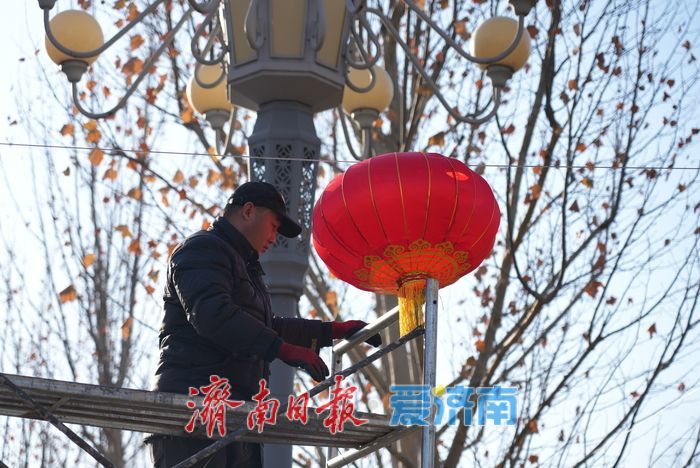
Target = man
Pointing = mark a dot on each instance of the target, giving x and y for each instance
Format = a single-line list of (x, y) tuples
[(218, 318)]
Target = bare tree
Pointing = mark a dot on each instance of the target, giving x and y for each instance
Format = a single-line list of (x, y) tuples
[(588, 304), (591, 158)]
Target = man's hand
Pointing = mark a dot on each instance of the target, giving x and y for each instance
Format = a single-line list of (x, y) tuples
[(349, 328), (304, 358)]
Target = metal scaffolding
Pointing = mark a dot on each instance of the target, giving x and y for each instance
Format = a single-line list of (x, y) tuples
[(60, 402)]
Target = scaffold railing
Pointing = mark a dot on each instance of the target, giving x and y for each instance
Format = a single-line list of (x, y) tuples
[(61, 402)]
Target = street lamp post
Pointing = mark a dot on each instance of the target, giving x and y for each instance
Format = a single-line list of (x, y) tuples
[(287, 60)]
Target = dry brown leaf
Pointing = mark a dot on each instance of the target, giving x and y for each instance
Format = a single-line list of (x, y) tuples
[(132, 66), (438, 139), (90, 125), (124, 230), (179, 177), (126, 328), (110, 174), (652, 330), (67, 295), (136, 41), (94, 136), (133, 12), (187, 115), (509, 129), (461, 29), (88, 260), (135, 247), (533, 31), (96, 156), (592, 288), (134, 193), (331, 299), (67, 129), (213, 177), (532, 426)]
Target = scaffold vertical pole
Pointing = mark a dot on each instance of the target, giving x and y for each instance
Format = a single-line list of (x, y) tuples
[(429, 368), (336, 365)]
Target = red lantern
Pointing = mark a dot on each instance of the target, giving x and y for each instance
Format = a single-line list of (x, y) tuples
[(390, 222)]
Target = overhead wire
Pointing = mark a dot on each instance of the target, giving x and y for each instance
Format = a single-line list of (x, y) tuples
[(108, 150)]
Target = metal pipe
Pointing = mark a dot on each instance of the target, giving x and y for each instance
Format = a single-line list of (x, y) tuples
[(336, 364), (344, 126), (457, 48), (455, 114), (46, 414), (344, 346), (429, 369), (350, 456), (372, 328)]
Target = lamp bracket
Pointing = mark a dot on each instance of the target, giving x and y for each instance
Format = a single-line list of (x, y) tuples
[(499, 75), (365, 117), (167, 40), (46, 4), (368, 59), (344, 125), (522, 7), (205, 85), (74, 69), (217, 118), (210, 27), (475, 118), (451, 42), (91, 53), (204, 8), (363, 89)]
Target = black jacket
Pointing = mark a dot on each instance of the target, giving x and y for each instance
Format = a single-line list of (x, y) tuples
[(218, 317)]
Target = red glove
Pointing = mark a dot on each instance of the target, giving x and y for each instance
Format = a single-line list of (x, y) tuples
[(304, 358), (349, 328)]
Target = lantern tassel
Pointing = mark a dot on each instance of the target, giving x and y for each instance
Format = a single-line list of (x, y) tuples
[(411, 300)]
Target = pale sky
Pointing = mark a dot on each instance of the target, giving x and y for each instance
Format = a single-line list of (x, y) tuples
[(22, 29)]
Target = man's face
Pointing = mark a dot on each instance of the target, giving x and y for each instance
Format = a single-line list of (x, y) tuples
[(263, 227)]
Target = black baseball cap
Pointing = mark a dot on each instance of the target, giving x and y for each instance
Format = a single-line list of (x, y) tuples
[(266, 195)]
